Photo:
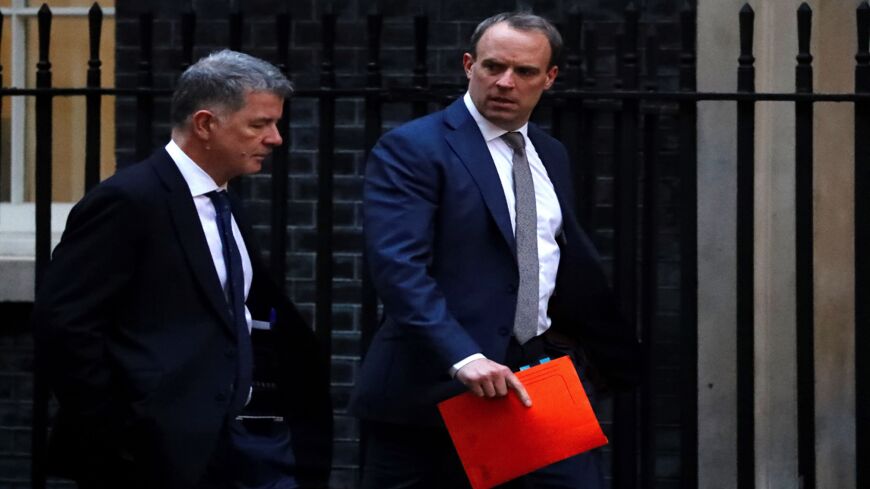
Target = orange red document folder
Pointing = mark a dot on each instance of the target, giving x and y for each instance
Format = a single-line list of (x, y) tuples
[(500, 439)]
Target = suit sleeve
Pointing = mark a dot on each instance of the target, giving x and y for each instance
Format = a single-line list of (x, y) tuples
[(402, 192), (87, 281)]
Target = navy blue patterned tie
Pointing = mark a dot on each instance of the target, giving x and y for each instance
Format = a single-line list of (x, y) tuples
[(235, 293)]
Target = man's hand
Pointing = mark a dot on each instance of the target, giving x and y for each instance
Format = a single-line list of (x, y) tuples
[(486, 378)]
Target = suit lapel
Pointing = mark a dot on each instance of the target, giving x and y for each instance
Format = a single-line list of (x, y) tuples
[(467, 142), (190, 236)]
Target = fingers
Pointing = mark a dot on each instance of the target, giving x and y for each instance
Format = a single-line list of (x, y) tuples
[(486, 378), (517, 387)]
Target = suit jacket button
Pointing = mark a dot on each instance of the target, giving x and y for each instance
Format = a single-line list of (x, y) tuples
[(512, 288), (220, 397), (230, 352), (504, 331)]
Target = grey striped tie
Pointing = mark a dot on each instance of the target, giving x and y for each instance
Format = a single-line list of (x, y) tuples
[(526, 318)]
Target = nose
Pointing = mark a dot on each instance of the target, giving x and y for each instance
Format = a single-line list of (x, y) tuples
[(273, 137), (506, 80)]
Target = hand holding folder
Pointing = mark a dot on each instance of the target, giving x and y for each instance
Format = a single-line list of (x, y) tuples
[(500, 439)]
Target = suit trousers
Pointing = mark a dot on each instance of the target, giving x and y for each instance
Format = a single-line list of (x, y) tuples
[(252, 455), (423, 457)]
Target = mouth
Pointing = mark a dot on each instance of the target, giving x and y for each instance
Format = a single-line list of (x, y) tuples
[(502, 101)]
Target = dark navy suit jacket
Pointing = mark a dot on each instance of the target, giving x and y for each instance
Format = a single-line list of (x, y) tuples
[(443, 260), (135, 334)]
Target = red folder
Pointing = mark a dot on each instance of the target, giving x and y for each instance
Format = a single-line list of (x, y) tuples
[(499, 439)]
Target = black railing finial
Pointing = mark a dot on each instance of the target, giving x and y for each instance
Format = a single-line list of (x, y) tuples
[(235, 24), (746, 70), (327, 63), (146, 28), (421, 38), (629, 48), (632, 17), (44, 20), (747, 20), (652, 66), (803, 72), (144, 101), (687, 30), (92, 133), (573, 33), (373, 68), (283, 28), (687, 48), (863, 21), (590, 46), (188, 34), (95, 28), (1, 37), (805, 18), (862, 69)]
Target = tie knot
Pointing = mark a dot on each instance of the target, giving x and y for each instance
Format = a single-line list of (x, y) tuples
[(515, 140), (220, 200)]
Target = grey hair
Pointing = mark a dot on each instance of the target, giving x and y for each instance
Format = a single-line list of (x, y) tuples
[(222, 80), (523, 21)]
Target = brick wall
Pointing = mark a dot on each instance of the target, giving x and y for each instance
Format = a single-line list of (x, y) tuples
[(450, 25)]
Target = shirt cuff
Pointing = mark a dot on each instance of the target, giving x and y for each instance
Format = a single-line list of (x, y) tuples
[(465, 361)]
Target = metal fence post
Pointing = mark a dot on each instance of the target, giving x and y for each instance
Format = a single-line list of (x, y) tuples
[(804, 253), (93, 100), (862, 251), (688, 122), (41, 393), (746, 256)]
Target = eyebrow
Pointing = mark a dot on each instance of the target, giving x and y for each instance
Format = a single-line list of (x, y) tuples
[(504, 63)]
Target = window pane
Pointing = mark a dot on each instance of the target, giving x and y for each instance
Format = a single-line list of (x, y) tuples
[(69, 65), (65, 3), (6, 113)]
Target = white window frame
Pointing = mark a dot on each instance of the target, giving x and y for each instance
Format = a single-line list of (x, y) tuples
[(18, 16), (17, 217)]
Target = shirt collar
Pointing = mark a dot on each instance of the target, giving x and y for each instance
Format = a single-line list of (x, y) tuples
[(489, 130), (199, 182)]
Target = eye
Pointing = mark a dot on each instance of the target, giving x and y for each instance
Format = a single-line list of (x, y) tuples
[(492, 66), (526, 71)]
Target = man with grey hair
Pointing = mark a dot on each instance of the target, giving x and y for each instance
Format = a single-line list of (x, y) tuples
[(172, 354), (481, 265)]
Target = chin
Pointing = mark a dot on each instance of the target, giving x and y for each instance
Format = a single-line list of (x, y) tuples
[(254, 167)]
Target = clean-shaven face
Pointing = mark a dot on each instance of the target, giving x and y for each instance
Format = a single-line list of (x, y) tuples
[(244, 138), (509, 73)]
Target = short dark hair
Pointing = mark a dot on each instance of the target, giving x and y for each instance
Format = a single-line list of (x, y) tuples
[(523, 21), (223, 79)]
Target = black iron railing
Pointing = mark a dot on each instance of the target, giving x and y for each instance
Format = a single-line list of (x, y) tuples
[(575, 107)]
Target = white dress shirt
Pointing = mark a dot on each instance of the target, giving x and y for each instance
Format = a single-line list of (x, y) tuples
[(200, 184), (546, 203)]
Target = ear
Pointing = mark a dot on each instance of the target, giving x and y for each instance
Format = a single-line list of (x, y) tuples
[(467, 62), (202, 124), (551, 77)]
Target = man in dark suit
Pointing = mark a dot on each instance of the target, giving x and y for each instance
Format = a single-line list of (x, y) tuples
[(146, 317), (481, 265)]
